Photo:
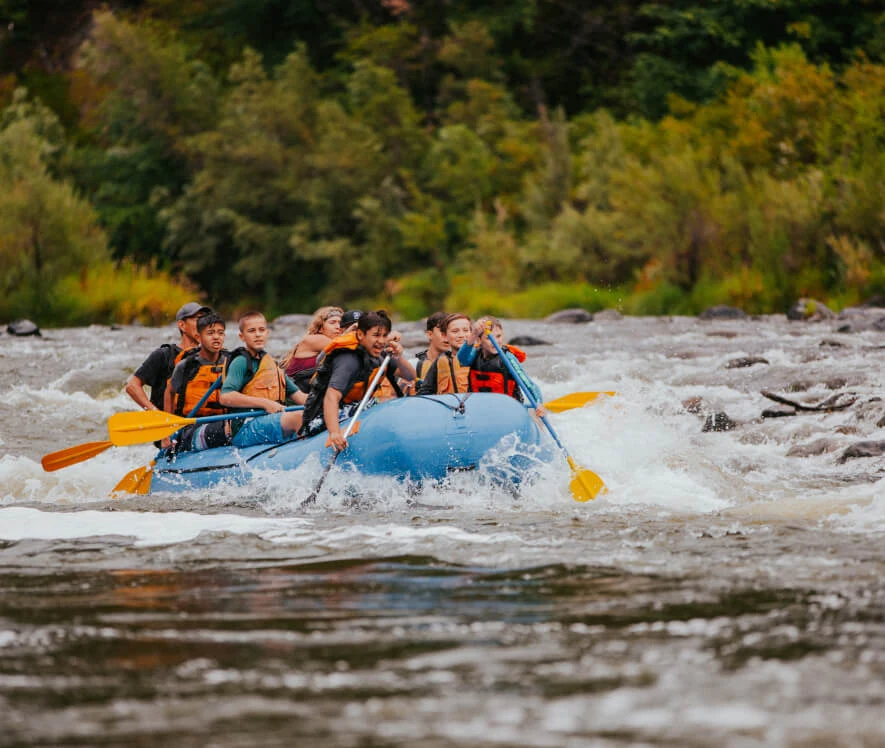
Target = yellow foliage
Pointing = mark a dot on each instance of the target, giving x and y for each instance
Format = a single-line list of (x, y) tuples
[(122, 293), (857, 259)]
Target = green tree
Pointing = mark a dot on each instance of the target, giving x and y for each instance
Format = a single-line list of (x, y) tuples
[(145, 94), (47, 231)]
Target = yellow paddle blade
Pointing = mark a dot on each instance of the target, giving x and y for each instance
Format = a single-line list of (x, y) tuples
[(585, 484), (73, 455), (137, 481), (574, 400), (142, 426)]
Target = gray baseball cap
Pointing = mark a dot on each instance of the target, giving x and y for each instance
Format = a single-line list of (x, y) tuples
[(191, 309)]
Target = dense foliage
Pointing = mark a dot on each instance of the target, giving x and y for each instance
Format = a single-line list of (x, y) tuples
[(514, 156)]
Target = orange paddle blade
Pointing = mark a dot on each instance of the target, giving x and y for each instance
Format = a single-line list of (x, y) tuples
[(137, 481), (72, 455), (574, 400)]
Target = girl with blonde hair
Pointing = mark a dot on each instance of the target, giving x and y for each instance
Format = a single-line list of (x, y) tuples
[(301, 362)]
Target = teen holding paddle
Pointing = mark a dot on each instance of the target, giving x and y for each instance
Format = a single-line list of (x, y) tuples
[(344, 374), (194, 387), (488, 371)]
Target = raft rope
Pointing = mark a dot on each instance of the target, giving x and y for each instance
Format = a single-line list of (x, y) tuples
[(459, 408)]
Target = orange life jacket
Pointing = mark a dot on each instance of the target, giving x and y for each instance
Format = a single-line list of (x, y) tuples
[(349, 342), (320, 382), (267, 382), (198, 379), (451, 376), (492, 375)]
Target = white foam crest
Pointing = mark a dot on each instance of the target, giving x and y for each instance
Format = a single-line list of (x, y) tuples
[(860, 509), (616, 436), (148, 528), (24, 480), (73, 403)]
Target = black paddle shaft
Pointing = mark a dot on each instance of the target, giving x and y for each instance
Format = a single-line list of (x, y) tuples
[(313, 496), (369, 392)]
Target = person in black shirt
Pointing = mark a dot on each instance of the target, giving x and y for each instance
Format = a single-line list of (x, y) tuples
[(157, 367)]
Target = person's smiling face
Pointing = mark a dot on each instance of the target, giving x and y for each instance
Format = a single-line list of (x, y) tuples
[(373, 340), (457, 332)]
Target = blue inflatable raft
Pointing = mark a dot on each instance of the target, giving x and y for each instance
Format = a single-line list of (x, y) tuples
[(413, 439)]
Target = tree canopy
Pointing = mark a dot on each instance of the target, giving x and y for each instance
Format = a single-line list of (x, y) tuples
[(505, 155)]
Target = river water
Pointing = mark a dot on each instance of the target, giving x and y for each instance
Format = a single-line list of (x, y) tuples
[(723, 592)]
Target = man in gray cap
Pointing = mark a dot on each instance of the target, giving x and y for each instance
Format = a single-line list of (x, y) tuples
[(158, 366)]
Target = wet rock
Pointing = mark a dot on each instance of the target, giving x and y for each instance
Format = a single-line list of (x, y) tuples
[(836, 383), (829, 343), (779, 411), (299, 320), (718, 422), (723, 312), (744, 362), (727, 334), (608, 315), (23, 328), (812, 449), (570, 316), (847, 430), (810, 310), (863, 449), (116, 328), (694, 405), (527, 341)]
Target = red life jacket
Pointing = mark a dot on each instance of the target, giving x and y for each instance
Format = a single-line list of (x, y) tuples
[(491, 374)]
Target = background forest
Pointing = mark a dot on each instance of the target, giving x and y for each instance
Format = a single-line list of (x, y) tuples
[(512, 156)]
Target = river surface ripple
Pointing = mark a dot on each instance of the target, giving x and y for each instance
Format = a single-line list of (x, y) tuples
[(723, 592)]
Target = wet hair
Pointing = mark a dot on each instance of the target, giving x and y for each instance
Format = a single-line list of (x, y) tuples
[(377, 318), (436, 320), (207, 320), (444, 327), (320, 316)]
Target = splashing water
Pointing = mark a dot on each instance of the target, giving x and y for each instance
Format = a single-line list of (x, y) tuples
[(722, 591)]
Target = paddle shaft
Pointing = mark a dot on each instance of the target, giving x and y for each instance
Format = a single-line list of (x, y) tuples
[(196, 409), (244, 414), (376, 379), (585, 484), (525, 390), (137, 427)]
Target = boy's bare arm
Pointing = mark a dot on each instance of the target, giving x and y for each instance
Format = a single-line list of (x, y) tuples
[(135, 390), (239, 400)]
